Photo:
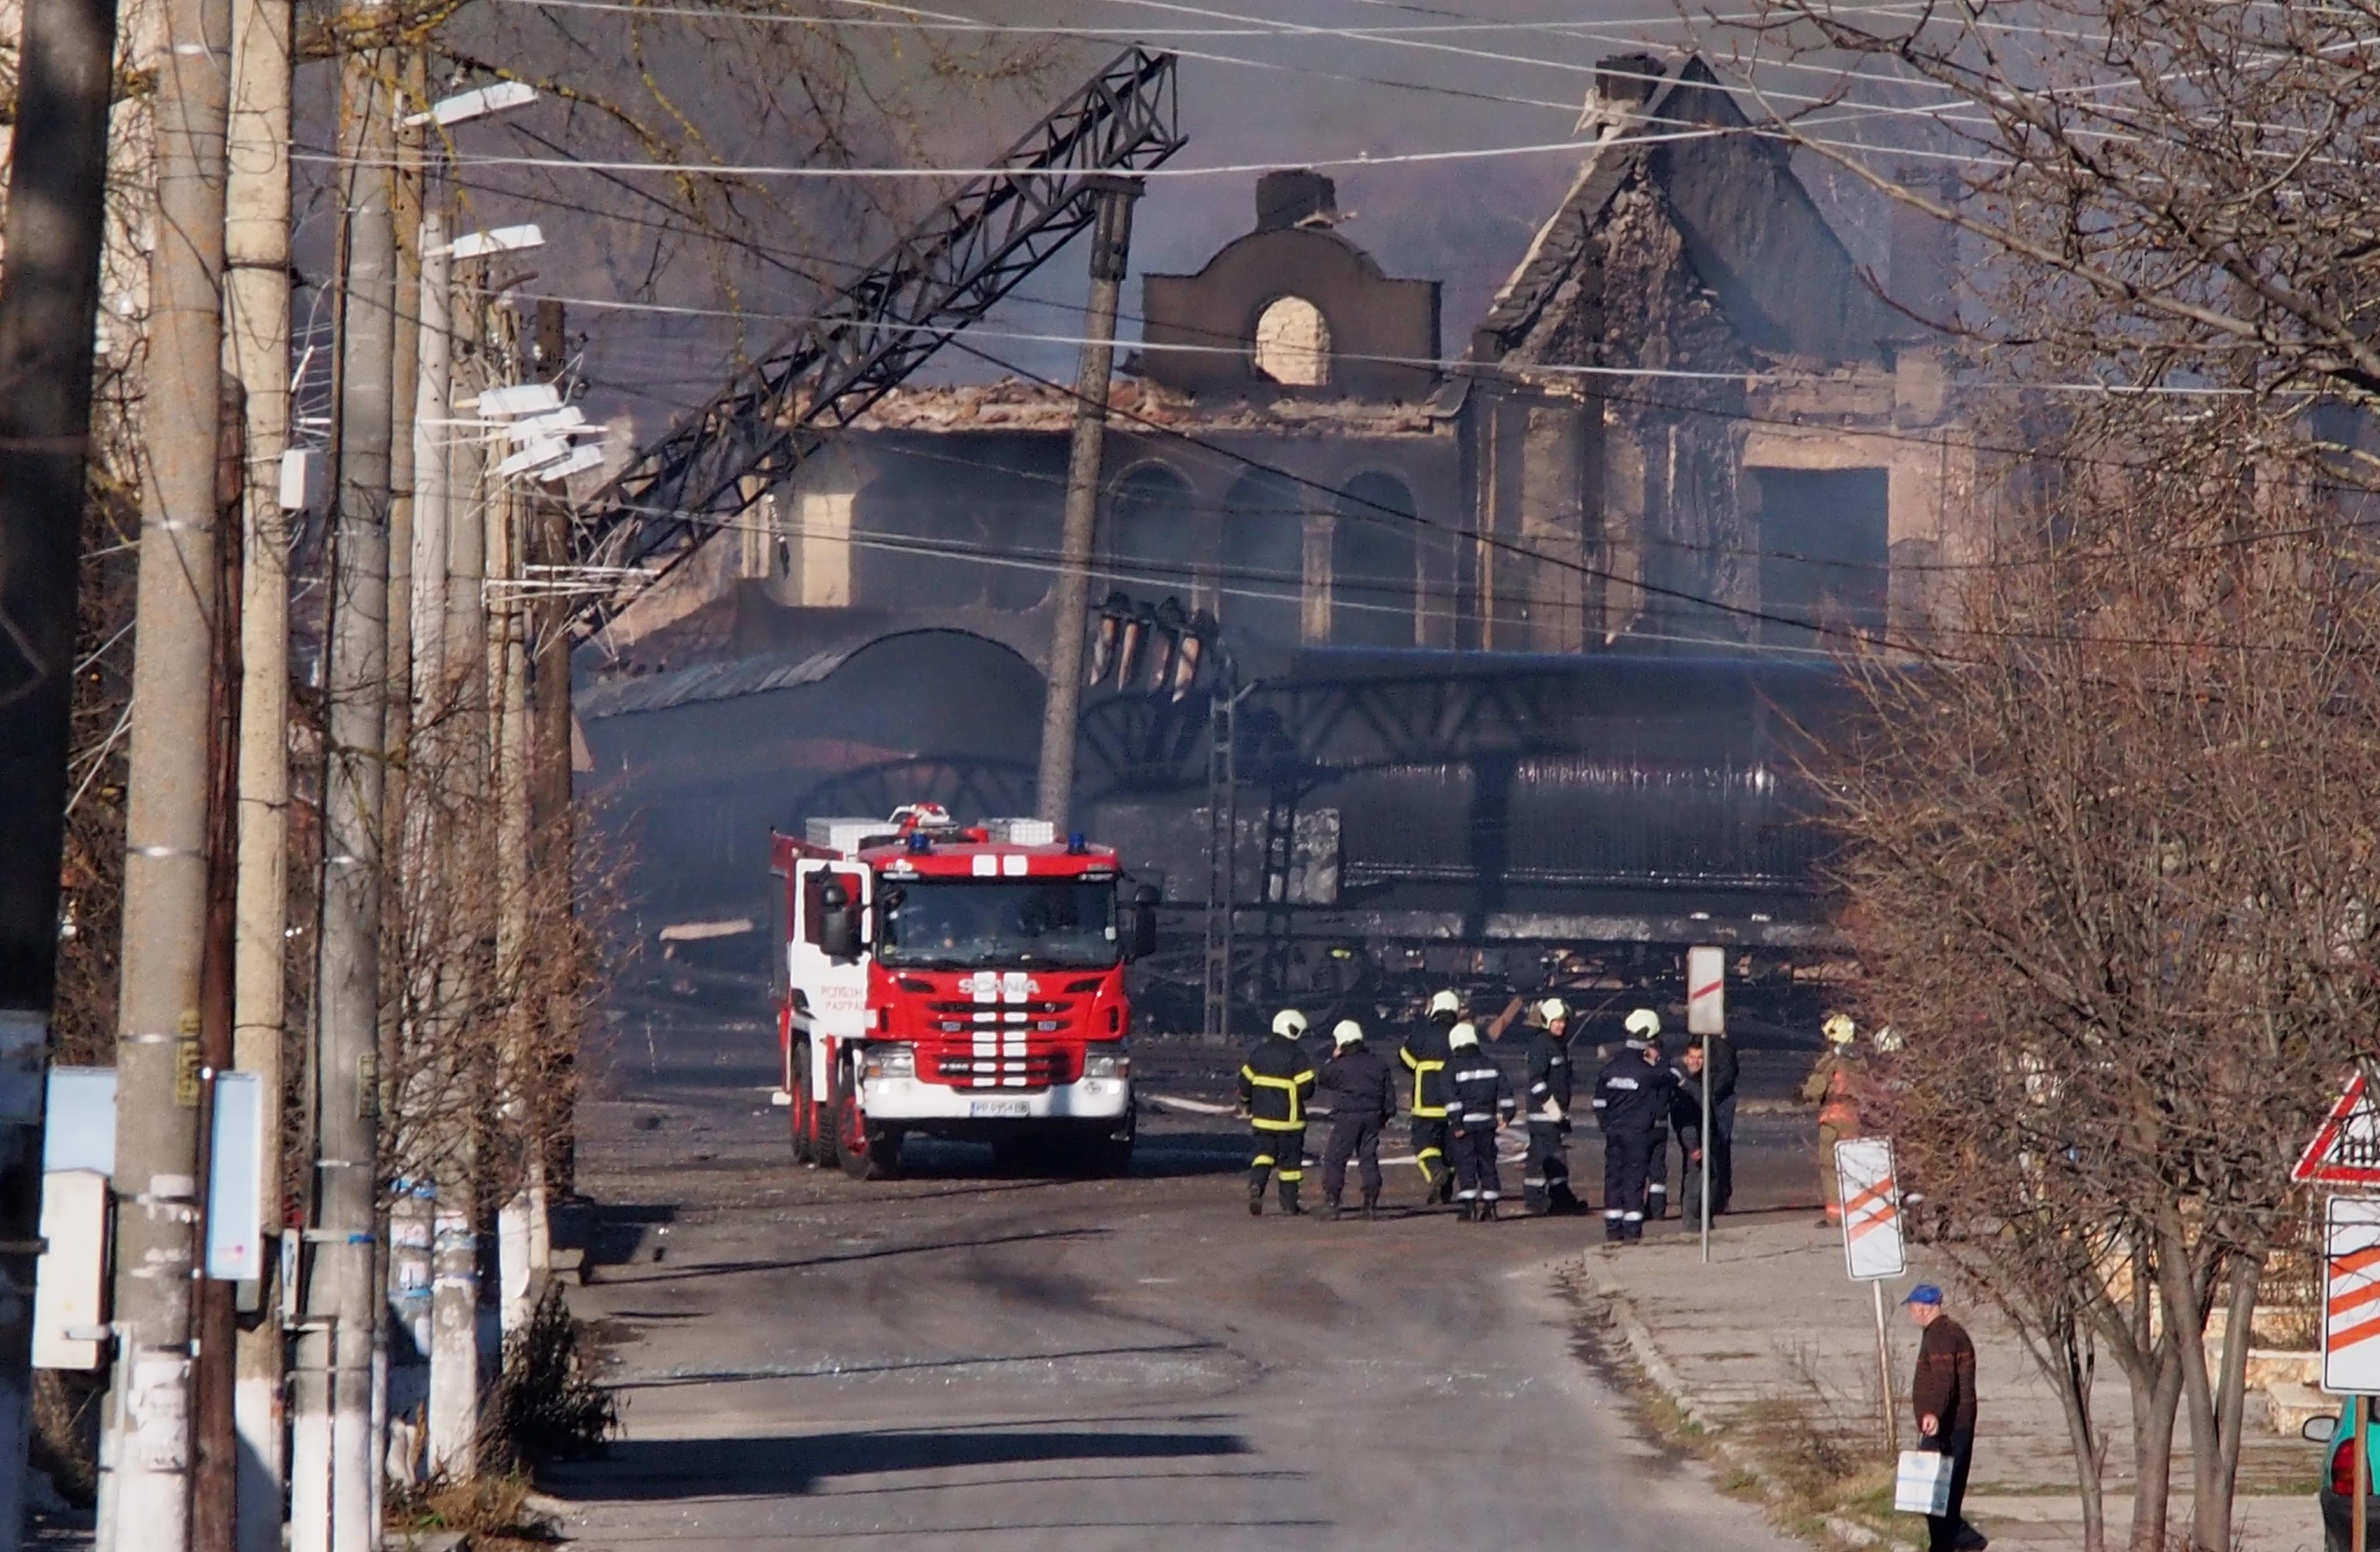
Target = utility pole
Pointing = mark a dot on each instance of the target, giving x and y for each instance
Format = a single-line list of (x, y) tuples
[(332, 1486), (166, 832), (509, 719), (256, 306), (455, 1245), (1110, 248), (49, 303), (453, 1349), (547, 550)]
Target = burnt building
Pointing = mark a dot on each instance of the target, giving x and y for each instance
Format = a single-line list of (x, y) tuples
[(1532, 624)]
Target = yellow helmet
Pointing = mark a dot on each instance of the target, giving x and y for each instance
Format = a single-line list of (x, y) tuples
[(1838, 1029), (1289, 1023)]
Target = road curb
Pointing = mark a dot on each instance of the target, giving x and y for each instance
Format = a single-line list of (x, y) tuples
[(1619, 1316)]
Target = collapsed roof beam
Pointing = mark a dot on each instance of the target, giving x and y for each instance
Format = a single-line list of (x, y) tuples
[(865, 339)]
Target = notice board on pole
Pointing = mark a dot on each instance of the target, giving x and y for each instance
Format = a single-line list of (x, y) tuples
[(1872, 1242)]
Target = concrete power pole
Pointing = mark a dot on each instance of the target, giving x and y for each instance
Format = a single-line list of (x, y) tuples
[(49, 300), (256, 311), (332, 1483), (165, 833), (509, 719), (454, 1254), (1110, 248), (438, 716)]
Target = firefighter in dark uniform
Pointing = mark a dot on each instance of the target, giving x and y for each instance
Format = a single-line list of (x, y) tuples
[(1479, 1105), (1631, 1094), (1545, 1178), (1425, 1055), (1361, 1093), (1276, 1085)]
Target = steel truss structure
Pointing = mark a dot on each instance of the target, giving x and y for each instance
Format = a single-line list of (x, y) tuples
[(867, 337)]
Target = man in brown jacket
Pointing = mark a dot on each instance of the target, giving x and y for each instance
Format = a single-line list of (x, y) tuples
[(1943, 1394)]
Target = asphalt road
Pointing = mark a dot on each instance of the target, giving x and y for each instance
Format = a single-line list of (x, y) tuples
[(1074, 1365)]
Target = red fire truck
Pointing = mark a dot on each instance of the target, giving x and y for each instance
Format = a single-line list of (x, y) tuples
[(957, 981)]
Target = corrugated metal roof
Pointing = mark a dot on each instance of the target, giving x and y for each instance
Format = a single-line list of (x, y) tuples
[(720, 681)]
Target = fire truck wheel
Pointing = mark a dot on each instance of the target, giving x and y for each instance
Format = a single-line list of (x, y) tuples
[(865, 1155), (803, 1110)]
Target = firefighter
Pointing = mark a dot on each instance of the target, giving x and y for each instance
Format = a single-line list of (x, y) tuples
[(1630, 1093), (1479, 1105), (1545, 1178), (1834, 1086), (1276, 1085), (1425, 1055), (1361, 1095)]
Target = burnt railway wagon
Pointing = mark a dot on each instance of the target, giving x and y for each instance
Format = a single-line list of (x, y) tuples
[(1391, 812)]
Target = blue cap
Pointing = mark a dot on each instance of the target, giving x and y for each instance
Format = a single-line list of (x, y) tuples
[(1923, 1293)]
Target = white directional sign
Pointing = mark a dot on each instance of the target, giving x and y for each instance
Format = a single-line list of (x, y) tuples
[(1705, 992), (1872, 1247), (2351, 1322)]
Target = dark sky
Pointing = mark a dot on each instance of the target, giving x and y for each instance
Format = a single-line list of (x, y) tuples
[(1382, 79)]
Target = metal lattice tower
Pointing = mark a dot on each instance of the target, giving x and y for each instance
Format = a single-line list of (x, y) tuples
[(865, 339)]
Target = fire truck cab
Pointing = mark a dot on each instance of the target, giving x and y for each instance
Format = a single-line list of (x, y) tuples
[(955, 981)]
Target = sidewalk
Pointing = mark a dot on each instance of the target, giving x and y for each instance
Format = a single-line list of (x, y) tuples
[(1770, 1352)]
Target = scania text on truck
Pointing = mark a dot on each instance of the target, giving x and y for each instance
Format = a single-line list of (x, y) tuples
[(955, 981)]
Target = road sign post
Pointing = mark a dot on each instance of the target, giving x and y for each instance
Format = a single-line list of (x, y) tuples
[(1705, 1016), (1873, 1249)]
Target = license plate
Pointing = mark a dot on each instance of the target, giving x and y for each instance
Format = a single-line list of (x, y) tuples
[(998, 1108)]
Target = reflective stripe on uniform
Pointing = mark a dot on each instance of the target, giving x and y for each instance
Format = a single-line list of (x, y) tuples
[(1632, 1218), (1289, 1086), (1422, 1068), (1292, 1176), (1260, 1162), (1612, 1213)]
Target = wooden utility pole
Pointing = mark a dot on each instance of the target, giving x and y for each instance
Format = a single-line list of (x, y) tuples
[(216, 1453), (157, 1059), (1070, 610), (49, 302), (256, 307), (332, 1480)]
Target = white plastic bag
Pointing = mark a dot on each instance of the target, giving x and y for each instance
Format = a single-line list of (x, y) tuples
[(1923, 1486)]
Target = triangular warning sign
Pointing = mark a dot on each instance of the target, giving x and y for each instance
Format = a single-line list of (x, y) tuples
[(2346, 1149)]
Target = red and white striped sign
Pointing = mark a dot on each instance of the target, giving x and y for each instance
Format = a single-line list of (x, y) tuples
[(2350, 1322), (1864, 1174), (1706, 991)]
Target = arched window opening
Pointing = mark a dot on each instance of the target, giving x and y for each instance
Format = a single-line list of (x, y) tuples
[(1263, 574), (1149, 544), (1375, 563), (1293, 343)]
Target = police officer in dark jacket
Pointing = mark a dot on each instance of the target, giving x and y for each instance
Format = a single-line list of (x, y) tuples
[(1479, 1106), (1425, 1057), (1632, 1095), (1361, 1094), (1544, 1179), (1276, 1086)]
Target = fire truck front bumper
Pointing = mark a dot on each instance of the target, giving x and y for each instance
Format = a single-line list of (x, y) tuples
[(895, 1100)]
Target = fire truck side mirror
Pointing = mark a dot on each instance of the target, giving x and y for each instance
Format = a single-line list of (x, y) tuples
[(1143, 940), (838, 922)]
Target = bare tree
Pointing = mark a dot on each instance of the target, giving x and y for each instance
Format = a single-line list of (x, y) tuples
[(2113, 875)]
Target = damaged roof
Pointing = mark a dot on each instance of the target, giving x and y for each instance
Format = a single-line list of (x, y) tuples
[(1750, 229), (1010, 404)]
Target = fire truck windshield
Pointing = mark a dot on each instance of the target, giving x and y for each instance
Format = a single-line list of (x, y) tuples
[(964, 924)]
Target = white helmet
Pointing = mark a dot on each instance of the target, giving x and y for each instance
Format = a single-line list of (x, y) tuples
[(1553, 1011), (1345, 1033), (1885, 1039), (1838, 1029), (1445, 1002), (1289, 1023), (1644, 1025), (1462, 1034)]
